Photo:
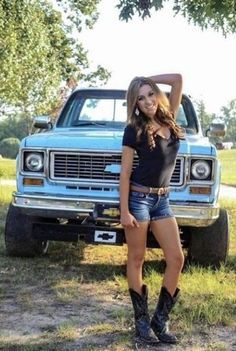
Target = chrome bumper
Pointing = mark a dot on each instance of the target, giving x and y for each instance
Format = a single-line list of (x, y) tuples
[(187, 214), (195, 215)]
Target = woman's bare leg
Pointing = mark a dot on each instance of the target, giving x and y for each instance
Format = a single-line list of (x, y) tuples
[(136, 241), (167, 234)]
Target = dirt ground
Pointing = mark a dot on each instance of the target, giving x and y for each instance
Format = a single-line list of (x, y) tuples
[(55, 304), (31, 319)]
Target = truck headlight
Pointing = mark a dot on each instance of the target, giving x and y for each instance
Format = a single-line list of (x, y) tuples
[(200, 169), (33, 162)]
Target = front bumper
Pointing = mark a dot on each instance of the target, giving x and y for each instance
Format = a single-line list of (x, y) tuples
[(186, 213)]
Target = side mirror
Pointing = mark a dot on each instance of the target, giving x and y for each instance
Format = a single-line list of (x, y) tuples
[(216, 129), (42, 122)]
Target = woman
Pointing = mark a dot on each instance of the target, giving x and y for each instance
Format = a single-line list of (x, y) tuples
[(153, 134)]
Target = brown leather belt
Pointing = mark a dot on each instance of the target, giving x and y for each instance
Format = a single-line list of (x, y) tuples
[(149, 190)]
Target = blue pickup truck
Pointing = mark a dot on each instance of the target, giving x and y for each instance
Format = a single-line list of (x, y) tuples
[(68, 181)]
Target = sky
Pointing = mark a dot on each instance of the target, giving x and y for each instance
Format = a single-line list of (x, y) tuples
[(164, 43)]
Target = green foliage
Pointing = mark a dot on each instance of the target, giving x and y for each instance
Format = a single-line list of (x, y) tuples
[(229, 117), (219, 15), (30, 68), (9, 147), (142, 7), (38, 52), (204, 117), (79, 12), (17, 126)]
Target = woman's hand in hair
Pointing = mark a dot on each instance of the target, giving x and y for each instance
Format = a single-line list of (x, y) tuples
[(175, 80)]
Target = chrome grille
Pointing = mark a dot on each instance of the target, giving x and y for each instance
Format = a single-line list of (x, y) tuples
[(178, 174), (82, 166)]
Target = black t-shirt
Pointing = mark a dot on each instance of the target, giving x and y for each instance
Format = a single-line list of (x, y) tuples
[(155, 166)]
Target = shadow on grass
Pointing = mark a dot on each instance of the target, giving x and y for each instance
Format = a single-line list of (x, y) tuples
[(231, 263), (67, 263), (103, 271)]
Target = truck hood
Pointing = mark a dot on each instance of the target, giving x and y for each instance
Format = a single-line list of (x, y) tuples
[(92, 139), (197, 145), (107, 140)]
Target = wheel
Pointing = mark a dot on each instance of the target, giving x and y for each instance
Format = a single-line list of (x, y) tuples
[(18, 235), (209, 246)]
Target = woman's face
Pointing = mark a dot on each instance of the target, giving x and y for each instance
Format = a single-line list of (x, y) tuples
[(147, 101)]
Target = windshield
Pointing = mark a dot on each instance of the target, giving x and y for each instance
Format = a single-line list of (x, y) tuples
[(102, 110), (97, 111), (109, 109)]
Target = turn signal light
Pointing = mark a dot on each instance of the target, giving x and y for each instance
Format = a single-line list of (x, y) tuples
[(33, 181), (200, 190)]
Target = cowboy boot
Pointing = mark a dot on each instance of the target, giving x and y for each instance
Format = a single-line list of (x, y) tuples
[(143, 331), (159, 322)]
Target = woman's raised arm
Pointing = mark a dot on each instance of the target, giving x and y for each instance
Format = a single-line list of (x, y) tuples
[(176, 82)]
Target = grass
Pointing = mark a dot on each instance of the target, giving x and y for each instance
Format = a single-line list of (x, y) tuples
[(75, 278), (7, 168), (6, 193), (71, 280), (228, 161)]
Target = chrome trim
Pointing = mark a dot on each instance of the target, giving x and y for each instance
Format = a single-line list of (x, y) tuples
[(57, 203), (22, 159), (201, 157), (196, 215), (184, 158), (70, 162), (80, 166), (189, 214)]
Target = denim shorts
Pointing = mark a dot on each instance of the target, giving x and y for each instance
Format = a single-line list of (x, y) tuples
[(149, 207)]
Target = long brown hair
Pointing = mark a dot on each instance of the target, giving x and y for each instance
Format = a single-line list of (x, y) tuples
[(164, 116)]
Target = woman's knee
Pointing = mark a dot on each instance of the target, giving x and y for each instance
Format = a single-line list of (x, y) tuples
[(176, 261), (136, 259)]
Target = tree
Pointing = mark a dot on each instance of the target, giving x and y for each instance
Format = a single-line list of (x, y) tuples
[(79, 12), (9, 147), (204, 117), (14, 126), (216, 14), (229, 117), (38, 52)]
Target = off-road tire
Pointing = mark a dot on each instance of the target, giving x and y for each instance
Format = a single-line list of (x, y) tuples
[(19, 239), (209, 246)]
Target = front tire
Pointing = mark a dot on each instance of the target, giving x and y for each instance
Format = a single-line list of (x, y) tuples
[(19, 239), (209, 246)]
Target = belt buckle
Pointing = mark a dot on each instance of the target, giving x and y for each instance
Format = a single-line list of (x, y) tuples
[(158, 191), (161, 191), (154, 190)]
